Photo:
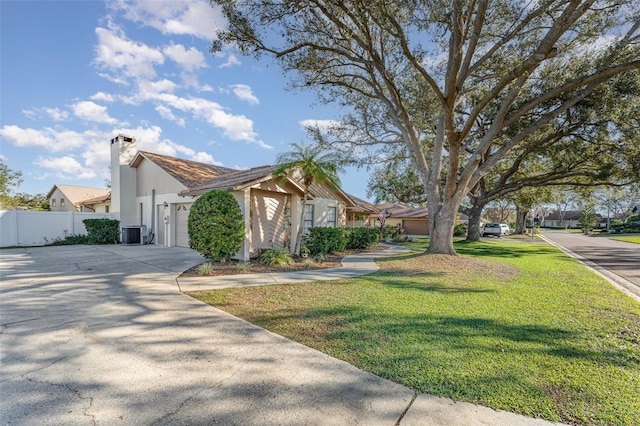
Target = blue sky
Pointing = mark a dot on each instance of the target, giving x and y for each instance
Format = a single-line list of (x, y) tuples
[(74, 74)]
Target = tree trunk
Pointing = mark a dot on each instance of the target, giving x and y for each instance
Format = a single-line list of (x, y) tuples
[(300, 224), (475, 215), (521, 216), (441, 226)]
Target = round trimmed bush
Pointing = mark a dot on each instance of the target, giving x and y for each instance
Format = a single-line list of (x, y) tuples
[(216, 226)]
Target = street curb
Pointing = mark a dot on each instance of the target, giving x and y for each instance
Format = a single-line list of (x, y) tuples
[(614, 279)]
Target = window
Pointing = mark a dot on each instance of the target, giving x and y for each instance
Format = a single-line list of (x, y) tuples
[(331, 217), (106, 209), (308, 218), (61, 202), (53, 202)]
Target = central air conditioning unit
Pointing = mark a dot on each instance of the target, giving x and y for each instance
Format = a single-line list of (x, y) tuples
[(133, 234)]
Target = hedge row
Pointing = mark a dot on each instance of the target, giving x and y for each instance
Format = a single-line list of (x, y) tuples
[(102, 231), (321, 241)]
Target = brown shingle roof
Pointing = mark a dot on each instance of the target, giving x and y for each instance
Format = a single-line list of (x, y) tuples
[(362, 206), (404, 212), (234, 180), (189, 173), (101, 199), (77, 194)]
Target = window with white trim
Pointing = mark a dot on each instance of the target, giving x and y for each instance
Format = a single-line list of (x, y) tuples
[(61, 202), (53, 202), (308, 219), (332, 217)]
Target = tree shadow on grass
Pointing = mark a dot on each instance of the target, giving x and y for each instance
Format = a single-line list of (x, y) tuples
[(452, 333), (426, 284), (483, 249)]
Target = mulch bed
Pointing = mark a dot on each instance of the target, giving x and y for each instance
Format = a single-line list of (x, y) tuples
[(235, 267)]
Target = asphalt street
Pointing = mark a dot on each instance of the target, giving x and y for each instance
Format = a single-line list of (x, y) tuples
[(619, 257)]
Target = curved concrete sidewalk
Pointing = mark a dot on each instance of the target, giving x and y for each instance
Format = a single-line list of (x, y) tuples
[(352, 266)]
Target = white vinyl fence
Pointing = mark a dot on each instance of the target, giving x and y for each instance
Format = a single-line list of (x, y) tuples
[(26, 228)]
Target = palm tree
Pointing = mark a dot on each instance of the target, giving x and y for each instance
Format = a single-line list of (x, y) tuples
[(312, 164)]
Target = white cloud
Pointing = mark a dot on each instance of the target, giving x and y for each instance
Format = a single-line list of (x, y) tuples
[(244, 93), (189, 60), (47, 138), (196, 18), (123, 58), (65, 167), (151, 89), (91, 111), (103, 97), (57, 114), (167, 114), (31, 114), (236, 127), (323, 125), (232, 60), (25, 137)]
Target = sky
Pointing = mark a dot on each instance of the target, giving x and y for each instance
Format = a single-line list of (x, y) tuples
[(74, 74)]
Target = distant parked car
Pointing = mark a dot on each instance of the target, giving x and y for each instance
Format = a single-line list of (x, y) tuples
[(495, 229)]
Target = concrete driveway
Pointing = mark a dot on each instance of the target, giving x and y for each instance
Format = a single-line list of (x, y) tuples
[(102, 335)]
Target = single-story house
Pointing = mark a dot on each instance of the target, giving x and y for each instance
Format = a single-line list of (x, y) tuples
[(100, 204), (414, 220), (72, 198), (569, 219), (156, 192), (361, 213)]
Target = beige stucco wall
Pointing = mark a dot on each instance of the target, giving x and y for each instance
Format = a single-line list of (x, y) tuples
[(58, 195), (321, 211), (151, 176), (97, 208)]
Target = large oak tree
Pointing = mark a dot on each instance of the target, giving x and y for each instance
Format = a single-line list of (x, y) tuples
[(460, 84)]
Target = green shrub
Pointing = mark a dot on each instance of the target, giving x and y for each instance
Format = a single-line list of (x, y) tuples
[(216, 226), (460, 230), (325, 240), (102, 231), (71, 239), (361, 238), (276, 257)]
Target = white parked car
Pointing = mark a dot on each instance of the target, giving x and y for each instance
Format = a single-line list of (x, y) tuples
[(495, 229)]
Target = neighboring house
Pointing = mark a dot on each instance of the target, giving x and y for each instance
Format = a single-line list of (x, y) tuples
[(101, 204), (157, 192), (70, 198), (361, 214), (414, 220), (568, 220)]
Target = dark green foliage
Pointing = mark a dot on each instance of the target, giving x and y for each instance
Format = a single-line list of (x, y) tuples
[(361, 238), (102, 231), (276, 257), (460, 230), (69, 240), (325, 240), (216, 226)]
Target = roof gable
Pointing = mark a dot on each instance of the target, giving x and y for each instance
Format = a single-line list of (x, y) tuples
[(77, 194), (237, 180), (189, 173)]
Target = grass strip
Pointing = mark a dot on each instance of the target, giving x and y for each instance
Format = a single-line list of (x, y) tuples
[(628, 239)]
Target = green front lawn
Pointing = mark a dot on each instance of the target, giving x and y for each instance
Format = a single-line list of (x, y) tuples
[(510, 325), (628, 239)]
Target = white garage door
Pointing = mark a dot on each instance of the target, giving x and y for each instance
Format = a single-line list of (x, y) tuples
[(182, 218)]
